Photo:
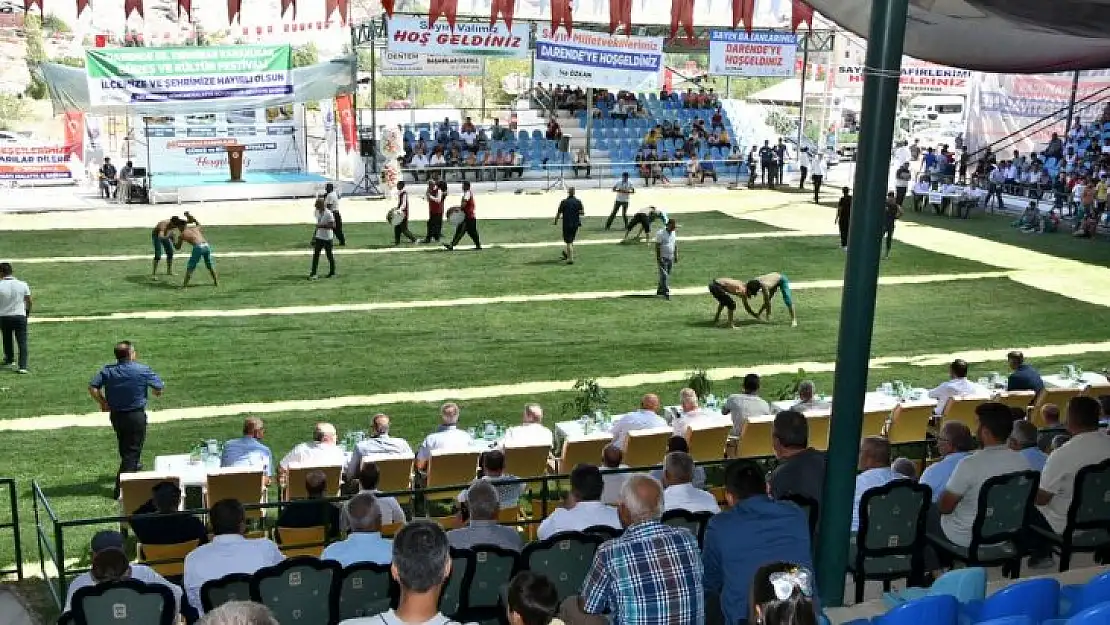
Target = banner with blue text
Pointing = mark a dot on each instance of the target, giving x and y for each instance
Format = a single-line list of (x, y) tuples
[(759, 54), (587, 59)]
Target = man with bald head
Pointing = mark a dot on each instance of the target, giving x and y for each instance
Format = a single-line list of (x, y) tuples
[(531, 432), (379, 445), (315, 511), (248, 450), (954, 442), (448, 437), (645, 418), (1050, 414), (612, 459), (652, 573), (322, 451), (874, 464), (364, 541)]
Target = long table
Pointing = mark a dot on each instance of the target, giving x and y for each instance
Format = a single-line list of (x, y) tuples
[(872, 402), (1087, 378)]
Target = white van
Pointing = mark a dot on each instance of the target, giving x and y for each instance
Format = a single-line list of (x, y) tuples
[(938, 110)]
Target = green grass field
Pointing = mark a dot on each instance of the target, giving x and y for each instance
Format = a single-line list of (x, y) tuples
[(422, 343)]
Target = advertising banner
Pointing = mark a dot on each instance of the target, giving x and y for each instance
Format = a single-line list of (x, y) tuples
[(195, 144), (587, 59), (760, 54), (412, 35), (1004, 104), (143, 75), (344, 112), (408, 64), (36, 162), (918, 78)]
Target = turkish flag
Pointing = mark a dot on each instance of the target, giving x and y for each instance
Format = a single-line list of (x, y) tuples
[(503, 7), (81, 6), (444, 8), (561, 15), (75, 134), (285, 4), (682, 13), (187, 7), (233, 9), (801, 12), (620, 12), (743, 11), (129, 6), (388, 6), (100, 41), (345, 115)]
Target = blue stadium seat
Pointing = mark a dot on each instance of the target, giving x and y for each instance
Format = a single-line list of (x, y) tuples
[(1075, 599), (1097, 615), (939, 610), (965, 585), (409, 137), (1035, 598), (537, 134), (1009, 620), (523, 135)]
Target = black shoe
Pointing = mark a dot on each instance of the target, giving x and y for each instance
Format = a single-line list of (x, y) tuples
[(331, 275), (450, 248)]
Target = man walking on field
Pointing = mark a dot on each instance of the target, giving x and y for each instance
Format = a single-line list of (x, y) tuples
[(666, 257), (15, 307), (201, 250), (571, 211)]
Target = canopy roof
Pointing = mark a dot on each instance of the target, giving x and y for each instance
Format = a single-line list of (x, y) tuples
[(1003, 36)]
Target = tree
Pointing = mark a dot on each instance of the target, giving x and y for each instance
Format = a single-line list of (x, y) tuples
[(54, 24), (306, 55), (36, 54), (71, 61), (13, 108)]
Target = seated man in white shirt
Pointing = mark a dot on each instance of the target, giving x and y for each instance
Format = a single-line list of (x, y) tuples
[(958, 505), (644, 418), (364, 542), (321, 452), (679, 492), (746, 405), (531, 433), (612, 459), (1087, 446), (109, 563), (447, 438), (419, 165), (583, 506), (874, 464), (421, 566), (379, 444), (957, 386), (808, 401), (229, 552), (691, 412)]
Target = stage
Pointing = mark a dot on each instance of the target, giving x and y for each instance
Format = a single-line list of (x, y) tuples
[(178, 188)]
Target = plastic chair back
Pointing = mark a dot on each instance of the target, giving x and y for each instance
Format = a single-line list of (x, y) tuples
[(1094, 592), (1038, 599), (934, 610), (965, 585), (1097, 615), (1009, 620)]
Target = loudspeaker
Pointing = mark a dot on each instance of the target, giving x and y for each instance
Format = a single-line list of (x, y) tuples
[(564, 144), (367, 147)]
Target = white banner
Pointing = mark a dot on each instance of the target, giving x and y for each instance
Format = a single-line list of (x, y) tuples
[(412, 35), (918, 78), (196, 144), (408, 64), (588, 59), (762, 53)]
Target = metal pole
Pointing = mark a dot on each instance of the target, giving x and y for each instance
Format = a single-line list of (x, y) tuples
[(728, 86), (149, 165), (1071, 103), (589, 117), (482, 114), (802, 97), (374, 94), (861, 273)]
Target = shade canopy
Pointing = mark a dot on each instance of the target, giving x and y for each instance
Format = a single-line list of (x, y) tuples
[(1004, 36)]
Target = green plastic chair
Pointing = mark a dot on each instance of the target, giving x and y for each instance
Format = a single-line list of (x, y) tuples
[(1088, 516), (216, 592), (492, 570), (890, 543), (453, 593), (297, 590), (363, 589), (565, 558), (126, 602), (695, 522), (1004, 501)]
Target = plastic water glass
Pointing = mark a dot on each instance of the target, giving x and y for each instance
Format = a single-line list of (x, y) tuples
[(887, 388)]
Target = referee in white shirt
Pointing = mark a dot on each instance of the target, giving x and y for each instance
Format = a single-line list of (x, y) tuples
[(15, 307), (666, 257), (322, 239)]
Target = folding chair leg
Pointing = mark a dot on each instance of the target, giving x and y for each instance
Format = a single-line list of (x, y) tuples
[(860, 583), (1065, 558), (886, 585)]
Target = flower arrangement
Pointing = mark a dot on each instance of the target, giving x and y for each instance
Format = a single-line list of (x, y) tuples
[(391, 175), (392, 145)]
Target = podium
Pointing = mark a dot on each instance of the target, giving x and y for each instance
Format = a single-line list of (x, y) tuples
[(235, 162)]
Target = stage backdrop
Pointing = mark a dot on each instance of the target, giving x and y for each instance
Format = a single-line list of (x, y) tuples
[(195, 143), (142, 75), (588, 59), (762, 53)]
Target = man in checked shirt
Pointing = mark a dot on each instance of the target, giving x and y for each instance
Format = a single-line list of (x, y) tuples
[(651, 574)]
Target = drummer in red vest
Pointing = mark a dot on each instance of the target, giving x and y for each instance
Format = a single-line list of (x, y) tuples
[(469, 226), (436, 196), (402, 226)]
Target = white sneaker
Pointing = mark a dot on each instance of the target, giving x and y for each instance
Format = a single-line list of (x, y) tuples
[(22, 371), (314, 277)]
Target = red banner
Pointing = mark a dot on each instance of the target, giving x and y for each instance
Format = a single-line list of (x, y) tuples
[(801, 12), (233, 9), (620, 13), (345, 117), (27, 4), (743, 11), (75, 133), (81, 6), (443, 8), (561, 16), (388, 6), (129, 7), (505, 8), (682, 14), (185, 6)]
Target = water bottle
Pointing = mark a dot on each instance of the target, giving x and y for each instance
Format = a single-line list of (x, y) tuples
[(711, 402)]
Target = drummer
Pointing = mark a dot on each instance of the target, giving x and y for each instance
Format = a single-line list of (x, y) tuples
[(436, 196), (400, 219), (469, 225), (643, 218)]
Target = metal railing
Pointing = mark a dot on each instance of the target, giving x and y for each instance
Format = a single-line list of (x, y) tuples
[(50, 543), (13, 525)]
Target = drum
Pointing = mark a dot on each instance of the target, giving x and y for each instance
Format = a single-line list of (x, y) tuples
[(455, 215), (395, 217)]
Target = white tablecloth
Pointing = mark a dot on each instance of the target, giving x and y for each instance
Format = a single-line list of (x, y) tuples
[(572, 430), (1087, 378), (190, 473), (872, 401)]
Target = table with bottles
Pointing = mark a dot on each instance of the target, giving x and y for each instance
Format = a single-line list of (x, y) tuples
[(885, 397), (596, 425), (1071, 376)]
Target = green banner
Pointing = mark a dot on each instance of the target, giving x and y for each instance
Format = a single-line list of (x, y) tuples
[(121, 76)]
